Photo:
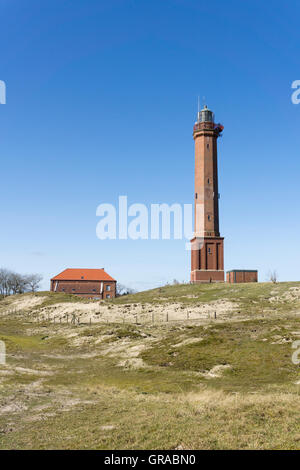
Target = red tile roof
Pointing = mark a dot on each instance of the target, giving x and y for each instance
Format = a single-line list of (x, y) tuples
[(83, 275)]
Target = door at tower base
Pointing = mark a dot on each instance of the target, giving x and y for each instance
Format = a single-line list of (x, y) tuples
[(207, 259)]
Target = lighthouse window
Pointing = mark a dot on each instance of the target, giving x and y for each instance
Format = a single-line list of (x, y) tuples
[(196, 195), (208, 181), (209, 251), (207, 146), (208, 217)]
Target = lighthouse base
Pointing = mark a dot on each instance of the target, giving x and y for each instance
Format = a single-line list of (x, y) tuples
[(198, 277), (207, 260)]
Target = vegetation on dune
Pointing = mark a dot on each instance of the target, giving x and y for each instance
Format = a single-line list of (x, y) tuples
[(218, 385), (248, 294), (248, 347)]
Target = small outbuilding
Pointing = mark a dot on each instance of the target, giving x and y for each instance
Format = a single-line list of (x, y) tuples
[(90, 283), (242, 275)]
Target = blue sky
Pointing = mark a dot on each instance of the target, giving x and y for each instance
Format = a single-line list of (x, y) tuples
[(101, 101)]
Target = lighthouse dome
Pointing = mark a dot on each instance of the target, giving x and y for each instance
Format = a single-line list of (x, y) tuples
[(205, 115)]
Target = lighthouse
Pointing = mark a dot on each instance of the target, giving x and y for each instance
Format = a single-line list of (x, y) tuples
[(207, 246)]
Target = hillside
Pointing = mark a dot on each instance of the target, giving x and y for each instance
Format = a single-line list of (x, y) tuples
[(184, 366), (172, 303)]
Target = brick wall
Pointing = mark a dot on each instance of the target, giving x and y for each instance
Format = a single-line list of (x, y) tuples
[(85, 288), (240, 276), (207, 261)]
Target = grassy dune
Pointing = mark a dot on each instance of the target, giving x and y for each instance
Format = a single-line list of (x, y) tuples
[(215, 384)]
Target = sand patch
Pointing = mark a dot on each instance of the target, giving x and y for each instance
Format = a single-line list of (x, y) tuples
[(291, 295), (123, 348), (129, 354), (133, 363), (99, 312), (6, 372), (187, 341), (281, 340), (107, 427), (216, 371), (25, 303), (23, 370), (12, 408)]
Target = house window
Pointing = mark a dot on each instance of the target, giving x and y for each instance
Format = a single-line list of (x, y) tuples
[(207, 146), (94, 290), (107, 287), (208, 217), (73, 290), (209, 251), (82, 277), (63, 290), (108, 296), (208, 180)]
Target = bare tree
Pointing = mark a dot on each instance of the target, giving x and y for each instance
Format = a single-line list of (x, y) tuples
[(272, 276), (33, 281), (15, 283), (4, 281), (123, 290)]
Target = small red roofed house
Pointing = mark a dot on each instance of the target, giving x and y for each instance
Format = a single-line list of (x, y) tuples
[(90, 283)]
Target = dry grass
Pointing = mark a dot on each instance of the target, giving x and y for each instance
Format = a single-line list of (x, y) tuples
[(222, 384)]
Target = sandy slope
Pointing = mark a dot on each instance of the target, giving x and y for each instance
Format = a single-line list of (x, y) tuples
[(134, 313)]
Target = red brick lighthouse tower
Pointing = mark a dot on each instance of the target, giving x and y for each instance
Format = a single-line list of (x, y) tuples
[(207, 245)]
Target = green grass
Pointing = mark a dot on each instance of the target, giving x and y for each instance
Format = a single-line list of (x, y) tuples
[(119, 420), (246, 346), (255, 297), (73, 387)]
